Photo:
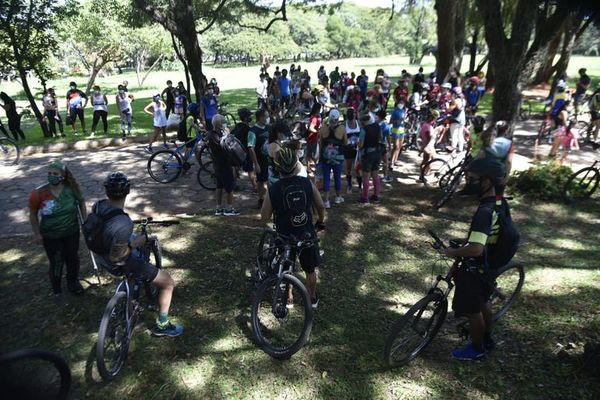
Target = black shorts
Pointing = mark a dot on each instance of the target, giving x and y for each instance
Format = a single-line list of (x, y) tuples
[(134, 266), (370, 161), (248, 165), (310, 258), (225, 179), (285, 101), (75, 113), (349, 152), (473, 290), (264, 171)]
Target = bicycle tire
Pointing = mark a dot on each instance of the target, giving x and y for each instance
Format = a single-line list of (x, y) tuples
[(266, 340), (155, 258), (109, 373), (504, 275), (438, 317), (206, 176), (156, 164), (59, 363), (437, 168), (203, 155), (230, 120), (575, 191), (265, 255), (451, 188), (10, 153)]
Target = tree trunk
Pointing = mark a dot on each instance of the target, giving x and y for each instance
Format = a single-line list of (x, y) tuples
[(154, 64), (565, 53), (544, 73), (482, 64), (460, 32), (32, 102), (95, 69), (446, 11), (473, 49)]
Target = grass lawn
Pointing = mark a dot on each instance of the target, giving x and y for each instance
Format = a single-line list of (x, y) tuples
[(377, 263), (237, 84)]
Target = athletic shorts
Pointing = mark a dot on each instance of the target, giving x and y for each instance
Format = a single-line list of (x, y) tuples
[(310, 258), (472, 291), (225, 179), (371, 161), (134, 266), (248, 165), (399, 134), (349, 152), (75, 113), (264, 171), (311, 148)]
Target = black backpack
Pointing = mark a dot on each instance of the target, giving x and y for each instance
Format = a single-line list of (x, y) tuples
[(93, 227), (234, 150), (507, 244)]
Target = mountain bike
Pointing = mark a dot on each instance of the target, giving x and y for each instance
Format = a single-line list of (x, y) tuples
[(229, 117), (412, 333), (582, 184), (10, 152), (412, 128), (281, 313), (125, 307), (165, 166), (434, 170), (451, 180)]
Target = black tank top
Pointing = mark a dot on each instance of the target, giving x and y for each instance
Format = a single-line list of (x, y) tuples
[(292, 200), (372, 136)]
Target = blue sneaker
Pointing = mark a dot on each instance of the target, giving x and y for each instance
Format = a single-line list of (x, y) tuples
[(467, 353), (169, 330)]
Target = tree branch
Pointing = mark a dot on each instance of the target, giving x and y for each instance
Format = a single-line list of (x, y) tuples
[(281, 10), (585, 25), (215, 15), (158, 15)]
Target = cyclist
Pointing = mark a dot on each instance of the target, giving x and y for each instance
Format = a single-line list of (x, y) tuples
[(210, 107), (352, 132), (125, 111), (321, 74), (51, 113), (333, 139), (223, 168), (100, 107), (159, 121), (401, 92), (362, 81), (582, 85), (312, 138), (168, 97), (121, 255), (397, 121), (501, 149), (428, 135), (291, 200), (457, 110), (385, 144), (566, 136), (445, 97), (261, 92), (285, 85), (473, 289), (473, 97), (75, 105)]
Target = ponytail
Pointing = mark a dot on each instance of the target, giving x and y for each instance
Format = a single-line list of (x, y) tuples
[(72, 182)]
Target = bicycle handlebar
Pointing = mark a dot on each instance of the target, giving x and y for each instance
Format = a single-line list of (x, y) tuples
[(438, 242), (150, 221)]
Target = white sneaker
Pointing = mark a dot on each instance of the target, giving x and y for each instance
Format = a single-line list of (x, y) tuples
[(339, 200), (327, 204)]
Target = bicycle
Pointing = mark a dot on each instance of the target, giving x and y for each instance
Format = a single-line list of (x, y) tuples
[(165, 166), (229, 117), (450, 181), (582, 184), (434, 170), (423, 320), (281, 313), (124, 308), (10, 153)]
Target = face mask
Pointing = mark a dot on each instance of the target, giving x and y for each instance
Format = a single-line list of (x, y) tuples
[(73, 87), (268, 120), (97, 92), (55, 180), (121, 91)]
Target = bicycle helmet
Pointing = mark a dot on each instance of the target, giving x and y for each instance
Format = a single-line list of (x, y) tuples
[(193, 108), (286, 161), (213, 82), (447, 85), (434, 113), (478, 123), (117, 185), (424, 86), (487, 168), (244, 114)]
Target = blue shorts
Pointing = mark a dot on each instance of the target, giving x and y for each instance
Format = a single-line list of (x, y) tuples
[(398, 136)]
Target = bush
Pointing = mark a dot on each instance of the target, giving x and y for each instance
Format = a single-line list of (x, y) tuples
[(544, 181)]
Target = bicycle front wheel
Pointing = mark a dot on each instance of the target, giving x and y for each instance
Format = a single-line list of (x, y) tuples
[(230, 120), (165, 166), (206, 176), (582, 184), (113, 339), (508, 285), (267, 252), (415, 330), (456, 173), (9, 152), (433, 170), (282, 316)]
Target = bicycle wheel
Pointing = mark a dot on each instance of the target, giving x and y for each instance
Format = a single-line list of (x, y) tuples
[(433, 170), (154, 257), (509, 282), (9, 152), (113, 340), (456, 173), (267, 252), (165, 166), (203, 154), (279, 329), (415, 330), (206, 176), (582, 184), (230, 120)]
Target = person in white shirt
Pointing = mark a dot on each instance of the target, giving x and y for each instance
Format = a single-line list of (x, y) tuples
[(100, 105), (125, 111), (262, 92), (51, 113)]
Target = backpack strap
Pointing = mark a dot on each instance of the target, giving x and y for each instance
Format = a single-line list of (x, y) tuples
[(110, 214)]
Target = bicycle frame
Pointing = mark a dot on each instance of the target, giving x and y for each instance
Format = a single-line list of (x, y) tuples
[(128, 318)]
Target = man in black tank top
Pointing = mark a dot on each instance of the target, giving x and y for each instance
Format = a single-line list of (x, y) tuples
[(291, 200)]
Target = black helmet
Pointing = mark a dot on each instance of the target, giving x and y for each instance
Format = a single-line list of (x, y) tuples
[(286, 161), (487, 168), (478, 123), (117, 185), (244, 113)]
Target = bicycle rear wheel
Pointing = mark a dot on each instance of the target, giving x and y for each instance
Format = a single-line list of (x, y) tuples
[(206, 176), (281, 329), (203, 154), (9, 152), (582, 184), (509, 282), (415, 330), (433, 170), (165, 166), (113, 339), (230, 120), (456, 175)]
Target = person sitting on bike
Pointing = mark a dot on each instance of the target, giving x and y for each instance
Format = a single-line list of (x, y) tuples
[(223, 168), (291, 200), (473, 288), (559, 99), (121, 255)]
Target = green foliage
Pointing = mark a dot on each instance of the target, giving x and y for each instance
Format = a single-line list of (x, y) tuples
[(544, 181)]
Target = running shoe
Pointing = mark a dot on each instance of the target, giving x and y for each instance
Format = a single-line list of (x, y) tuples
[(314, 303), (149, 149), (339, 200), (327, 204), (168, 329), (232, 212), (219, 211), (468, 353)]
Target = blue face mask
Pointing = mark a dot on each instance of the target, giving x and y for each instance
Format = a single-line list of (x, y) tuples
[(55, 180)]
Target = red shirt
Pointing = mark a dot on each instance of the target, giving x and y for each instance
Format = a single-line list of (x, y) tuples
[(315, 122), (401, 93), (353, 101)]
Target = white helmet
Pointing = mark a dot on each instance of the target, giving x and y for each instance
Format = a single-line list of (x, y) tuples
[(424, 86), (561, 84), (447, 85)]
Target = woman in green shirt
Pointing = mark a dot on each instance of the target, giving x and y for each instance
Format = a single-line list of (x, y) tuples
[(57, 203)]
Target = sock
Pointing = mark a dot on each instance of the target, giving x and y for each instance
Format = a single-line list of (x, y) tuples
[(163, 319), (365, 189), (377, 185)]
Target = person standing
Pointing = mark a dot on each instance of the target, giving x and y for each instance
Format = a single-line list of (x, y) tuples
[(51, 112), (125, 112), (223, 167), (291, 200), (242, 132), (333, 139), (312, 137), (582, 86), (259, 135), (262, 92), (100, 107), (352, 128), (76, 102), (58, 202), (180, 105), (168, 97), (363, 84), (157, 110), (334, 77), (284, 90), (397, 121), (321, 75), (14, 118), (370, 146), (457, 110), (210, 107)]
